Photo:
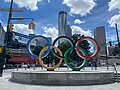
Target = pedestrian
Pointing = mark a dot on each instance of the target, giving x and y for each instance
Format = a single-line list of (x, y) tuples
[(53, 63), (95, 63), (1, 69)]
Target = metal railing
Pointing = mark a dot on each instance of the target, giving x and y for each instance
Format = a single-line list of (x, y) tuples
[(116, 73)]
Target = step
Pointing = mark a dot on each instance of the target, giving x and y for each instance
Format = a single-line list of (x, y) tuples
[(117, 78), (116, 75)]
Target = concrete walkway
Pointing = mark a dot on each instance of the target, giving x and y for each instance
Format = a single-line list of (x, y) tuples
[(5, 84)]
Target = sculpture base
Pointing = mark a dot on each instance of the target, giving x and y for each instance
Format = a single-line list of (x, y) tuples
[(62, 77)]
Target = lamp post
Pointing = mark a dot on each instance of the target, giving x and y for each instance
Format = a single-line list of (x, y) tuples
[(9, 16), (31, 25), (8, 34), (117, 38), (6, 42), (117, 35)]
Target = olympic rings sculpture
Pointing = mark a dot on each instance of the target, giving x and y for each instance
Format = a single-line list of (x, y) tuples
[(41, 62), (74, 47), (29, 43)]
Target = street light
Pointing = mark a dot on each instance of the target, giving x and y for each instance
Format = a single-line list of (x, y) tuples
[(10, 15), (117, 35), (8, 34), (117, 38), (31, 24), (7, 37)]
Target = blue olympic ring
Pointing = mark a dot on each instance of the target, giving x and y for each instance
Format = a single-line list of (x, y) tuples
[(30, 52)]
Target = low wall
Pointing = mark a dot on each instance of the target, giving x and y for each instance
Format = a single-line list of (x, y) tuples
[(63, 78)]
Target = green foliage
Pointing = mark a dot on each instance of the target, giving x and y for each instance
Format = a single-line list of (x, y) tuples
[(116, 51), (36, 49), (9, 54), (84, 44), (72, 56), (64, 46), (46, 60)]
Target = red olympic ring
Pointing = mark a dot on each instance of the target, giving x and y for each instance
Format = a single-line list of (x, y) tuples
[(97, 48)]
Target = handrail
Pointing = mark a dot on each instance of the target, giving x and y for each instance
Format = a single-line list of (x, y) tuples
[(114, 65)]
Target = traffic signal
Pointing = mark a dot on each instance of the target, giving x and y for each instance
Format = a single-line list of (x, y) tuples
[(32, 25), (11, 27), (0, 50)]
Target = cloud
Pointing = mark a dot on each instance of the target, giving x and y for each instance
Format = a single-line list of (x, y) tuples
[(113, 38), (114, 4), (50, 32), (5, 28), (28, 4), (79, 30), (78, 21), (48, 1), (23, 29), (115, 19), (81, 7), (1, 22)]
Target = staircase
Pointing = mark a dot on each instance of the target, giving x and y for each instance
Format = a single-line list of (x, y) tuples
[(117, 77)]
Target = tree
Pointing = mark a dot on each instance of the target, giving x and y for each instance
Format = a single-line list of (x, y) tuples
[(64, 46), (46, 60), (84, 44), (36, 49), (116, 51), (72, 56), (8, 55)]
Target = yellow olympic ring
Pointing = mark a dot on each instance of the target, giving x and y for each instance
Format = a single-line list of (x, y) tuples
[(41, 62)]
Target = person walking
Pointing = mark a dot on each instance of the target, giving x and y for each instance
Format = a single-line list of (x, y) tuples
[(95, 63), (2, 60)]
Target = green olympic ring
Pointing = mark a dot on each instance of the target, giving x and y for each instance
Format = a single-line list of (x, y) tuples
[(71, 65)]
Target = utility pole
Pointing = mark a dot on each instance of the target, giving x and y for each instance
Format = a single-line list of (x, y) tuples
[(8, 36), (10, 10), (117, 38), (117, 35), (8, 33)]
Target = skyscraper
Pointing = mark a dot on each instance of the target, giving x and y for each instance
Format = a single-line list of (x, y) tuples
[(62, 24), (100, 37), (69, 31)]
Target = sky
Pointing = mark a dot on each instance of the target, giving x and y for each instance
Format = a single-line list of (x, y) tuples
[(83, 16)]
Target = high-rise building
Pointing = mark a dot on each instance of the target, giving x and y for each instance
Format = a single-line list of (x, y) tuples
[(69, 31), (100, 37), (62, 23)]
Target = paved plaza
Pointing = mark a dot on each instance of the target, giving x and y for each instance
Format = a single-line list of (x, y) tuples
[(5, 84)]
